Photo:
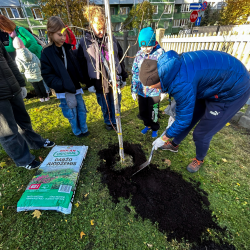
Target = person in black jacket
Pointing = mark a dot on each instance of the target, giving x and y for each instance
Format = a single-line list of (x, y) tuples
[(61, 72), (16, 133), (4, 38)]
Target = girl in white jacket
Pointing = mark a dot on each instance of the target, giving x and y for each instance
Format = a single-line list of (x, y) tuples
[(29, 64)]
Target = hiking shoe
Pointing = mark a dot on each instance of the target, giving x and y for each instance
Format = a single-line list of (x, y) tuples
[(145, 130), (33, 165), (83, 134), (154, 134), (169, 146), (194, 166), (41, 100), (48, 144)]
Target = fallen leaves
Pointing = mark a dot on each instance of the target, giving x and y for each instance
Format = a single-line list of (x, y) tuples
[(228, 124), (223, 159), (238, 184), (86, 195), (82, 234), (3, 164), (168, 162), (92, 223), (77, 204), (37, 214)]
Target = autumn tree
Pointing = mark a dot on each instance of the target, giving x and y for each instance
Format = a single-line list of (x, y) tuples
[(69, 10), (210, 16), (235, 12), (141, 13)]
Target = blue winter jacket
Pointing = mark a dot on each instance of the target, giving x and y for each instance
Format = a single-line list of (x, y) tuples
[(211, 75)]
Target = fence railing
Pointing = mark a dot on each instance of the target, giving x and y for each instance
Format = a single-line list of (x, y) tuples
[(235, 43)]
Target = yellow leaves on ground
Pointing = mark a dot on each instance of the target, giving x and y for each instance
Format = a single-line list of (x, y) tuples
[(86, 195), (223, 159), (92, 223), (168, 162), (228, 124), (77, 204), (238, 184), (82, 234), (2, 164), (37, 214)]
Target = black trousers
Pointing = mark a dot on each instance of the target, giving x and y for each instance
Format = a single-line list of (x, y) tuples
[(149, 111), (40, 89)]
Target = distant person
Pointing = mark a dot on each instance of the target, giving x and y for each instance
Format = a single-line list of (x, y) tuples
[(148, 98), (209, 88), (16, 133), (29, 64), (27, 38), (61, 72), (95, 65)]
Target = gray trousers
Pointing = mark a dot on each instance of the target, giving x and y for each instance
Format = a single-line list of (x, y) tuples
[(16, 133)]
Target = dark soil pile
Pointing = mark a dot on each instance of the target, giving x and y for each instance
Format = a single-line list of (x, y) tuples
[(181, 208)]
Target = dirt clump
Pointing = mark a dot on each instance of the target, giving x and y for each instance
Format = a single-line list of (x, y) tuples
[(180, 208)]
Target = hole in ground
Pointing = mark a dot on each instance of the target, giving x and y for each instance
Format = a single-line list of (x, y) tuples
[(181, 208)]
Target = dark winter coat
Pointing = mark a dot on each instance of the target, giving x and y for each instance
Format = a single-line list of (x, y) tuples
[(54, 72), (89, 59), (211, 75), (10, 78)]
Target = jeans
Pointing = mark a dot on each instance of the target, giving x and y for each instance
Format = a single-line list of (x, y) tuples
[(16, 133), (76, 116), (110, 109), (212, 117)]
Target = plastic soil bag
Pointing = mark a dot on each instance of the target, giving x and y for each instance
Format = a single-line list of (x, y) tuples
[(54, 185)]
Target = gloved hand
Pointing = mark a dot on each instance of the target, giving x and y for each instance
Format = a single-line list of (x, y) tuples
[(158, 143), (162, 96), (170, 121), (134, 96), (92, 89), (24, 92)]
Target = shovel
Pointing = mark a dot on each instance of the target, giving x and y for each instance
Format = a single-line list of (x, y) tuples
[(145, 164)]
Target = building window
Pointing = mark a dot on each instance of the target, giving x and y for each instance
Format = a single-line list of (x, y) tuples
[(112, 11), (117, 26), (37, 14), (185, 7), (167, 9), (154, 25), (12, 13), (180, 22), (176, 23), (166, 24), (124, 10), (155, 9)]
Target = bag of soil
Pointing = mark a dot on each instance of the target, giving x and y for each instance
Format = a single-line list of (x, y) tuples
[(54, 185)]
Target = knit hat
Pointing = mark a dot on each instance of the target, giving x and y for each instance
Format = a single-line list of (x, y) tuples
[(146, 37), (148, 73), (18, 43)]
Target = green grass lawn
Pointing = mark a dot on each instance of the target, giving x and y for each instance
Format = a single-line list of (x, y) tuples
[(224, 176)]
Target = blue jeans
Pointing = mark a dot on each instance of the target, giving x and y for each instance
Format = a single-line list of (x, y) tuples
[(111, 107), (212, 117), (76, 116)]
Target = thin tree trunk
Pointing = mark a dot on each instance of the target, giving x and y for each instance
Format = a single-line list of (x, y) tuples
[(68, 12)]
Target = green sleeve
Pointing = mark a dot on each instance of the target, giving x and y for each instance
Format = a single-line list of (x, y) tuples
[(30, 42), (10, 47)]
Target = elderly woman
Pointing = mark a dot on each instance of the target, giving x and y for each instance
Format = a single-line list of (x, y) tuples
[(28, 40)]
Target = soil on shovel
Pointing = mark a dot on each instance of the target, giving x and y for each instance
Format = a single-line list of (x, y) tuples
[(180, 208)]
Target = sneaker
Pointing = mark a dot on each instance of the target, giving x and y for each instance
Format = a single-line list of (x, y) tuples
[(154, 134), (145, 130), (46, 99), (83, 134), (48, 144), (169, 146), (41, 100), (194, 166), (33, 165)]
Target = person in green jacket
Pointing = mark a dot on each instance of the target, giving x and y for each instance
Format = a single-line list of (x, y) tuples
[(29, 41)]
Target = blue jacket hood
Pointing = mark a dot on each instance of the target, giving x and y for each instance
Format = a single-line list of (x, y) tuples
[(168, 66)]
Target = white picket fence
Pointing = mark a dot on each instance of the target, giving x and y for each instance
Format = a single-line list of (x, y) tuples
[(235, 43)]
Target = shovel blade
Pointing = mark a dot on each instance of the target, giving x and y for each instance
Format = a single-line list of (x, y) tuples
[(145, 164)]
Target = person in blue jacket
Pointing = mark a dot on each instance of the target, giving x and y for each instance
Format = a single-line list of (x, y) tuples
[(209, 87)]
